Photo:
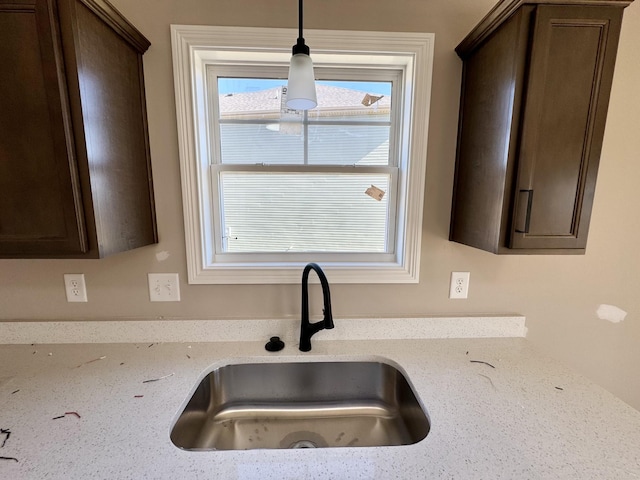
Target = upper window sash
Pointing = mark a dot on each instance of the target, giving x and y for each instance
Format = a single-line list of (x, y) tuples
[(310, 118)]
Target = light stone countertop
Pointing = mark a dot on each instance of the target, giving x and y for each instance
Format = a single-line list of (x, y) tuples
[(527, 418)]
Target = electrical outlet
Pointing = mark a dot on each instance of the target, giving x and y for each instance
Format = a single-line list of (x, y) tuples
[(75, 287), (459, 287), (164, 287)]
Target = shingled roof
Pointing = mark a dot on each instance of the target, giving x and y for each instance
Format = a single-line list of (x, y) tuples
[(331, 100)]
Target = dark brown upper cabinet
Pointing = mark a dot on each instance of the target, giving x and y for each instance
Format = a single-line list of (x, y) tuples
[(535, 90), (75, 172)]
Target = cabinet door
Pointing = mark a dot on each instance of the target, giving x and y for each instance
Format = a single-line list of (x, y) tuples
[(573, 52), (106, 95), (40, 208)]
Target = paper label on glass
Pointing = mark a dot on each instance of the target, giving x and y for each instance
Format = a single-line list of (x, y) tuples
[(375, 192)]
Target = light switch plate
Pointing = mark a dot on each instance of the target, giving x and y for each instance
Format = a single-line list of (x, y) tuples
[(164, 287)]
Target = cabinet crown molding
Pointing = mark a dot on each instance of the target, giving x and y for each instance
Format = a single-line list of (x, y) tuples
[(505, 8)]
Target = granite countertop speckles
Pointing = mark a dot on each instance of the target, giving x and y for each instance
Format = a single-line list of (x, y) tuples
[(527, 418)]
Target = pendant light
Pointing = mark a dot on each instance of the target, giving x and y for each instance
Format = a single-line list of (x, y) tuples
[(301, 87)]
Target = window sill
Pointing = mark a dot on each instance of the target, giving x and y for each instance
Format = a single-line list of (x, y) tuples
[(290, 273)]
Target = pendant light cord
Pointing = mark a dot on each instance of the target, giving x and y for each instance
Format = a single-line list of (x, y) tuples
[(300, 19), (300, 46)]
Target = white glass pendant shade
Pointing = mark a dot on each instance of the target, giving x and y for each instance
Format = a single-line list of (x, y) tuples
[(301, 87)]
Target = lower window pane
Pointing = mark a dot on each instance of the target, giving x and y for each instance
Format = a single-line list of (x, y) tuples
[(315, 212)]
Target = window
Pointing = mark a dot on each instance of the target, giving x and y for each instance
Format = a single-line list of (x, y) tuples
[(267, 189), (287, 181)]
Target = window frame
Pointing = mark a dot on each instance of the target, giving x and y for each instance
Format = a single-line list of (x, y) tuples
[(215, 245), (196, 47)]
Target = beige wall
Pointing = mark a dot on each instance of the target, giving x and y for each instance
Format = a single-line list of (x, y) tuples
[(558, 294)]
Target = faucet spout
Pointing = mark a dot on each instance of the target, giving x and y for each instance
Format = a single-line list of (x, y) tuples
[(307, 329)]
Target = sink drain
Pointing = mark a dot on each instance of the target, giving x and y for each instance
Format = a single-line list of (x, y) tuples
[(303, 439), (303, 444)]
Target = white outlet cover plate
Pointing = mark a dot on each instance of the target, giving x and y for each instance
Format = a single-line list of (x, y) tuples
[(459, 287), (75, 287), (164, 287)]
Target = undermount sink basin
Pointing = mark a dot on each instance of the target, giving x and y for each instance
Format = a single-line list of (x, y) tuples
[(301, 405)]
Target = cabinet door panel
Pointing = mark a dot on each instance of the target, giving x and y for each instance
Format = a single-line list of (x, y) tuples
[(40, 210), (109, 76), (565, 111)]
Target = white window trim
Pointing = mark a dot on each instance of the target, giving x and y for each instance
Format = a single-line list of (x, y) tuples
[(194, 46)]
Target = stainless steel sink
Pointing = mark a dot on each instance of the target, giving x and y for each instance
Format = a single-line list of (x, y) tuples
[(301, 405)]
